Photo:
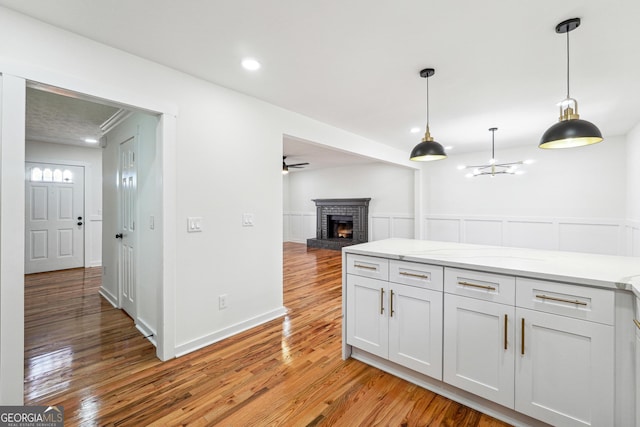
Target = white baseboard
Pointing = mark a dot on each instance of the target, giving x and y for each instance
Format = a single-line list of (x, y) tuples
[(147, 332), (109, 297), (232, 330)]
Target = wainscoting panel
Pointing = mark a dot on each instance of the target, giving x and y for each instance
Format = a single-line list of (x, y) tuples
[(483, 232), (600, 236), (633, 231), (384, 226), (589, 237), (604, 236), (443, 229), (298, 226), (380, 228), (403, 226), (530, 234)]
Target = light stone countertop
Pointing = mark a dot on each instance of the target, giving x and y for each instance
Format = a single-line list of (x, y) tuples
[(614, 272)]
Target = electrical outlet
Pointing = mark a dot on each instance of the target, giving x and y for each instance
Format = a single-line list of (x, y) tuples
[(222, 301)]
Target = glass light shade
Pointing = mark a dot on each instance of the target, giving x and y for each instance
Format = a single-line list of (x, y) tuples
[(570, 133), (427, 151)]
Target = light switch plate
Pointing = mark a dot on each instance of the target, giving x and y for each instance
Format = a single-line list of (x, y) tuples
[(247, 220), (194, 224)]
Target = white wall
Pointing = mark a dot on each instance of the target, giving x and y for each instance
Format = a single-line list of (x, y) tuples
[(214, 131), (390, 187), (573, 199), (91, 160), (633, 191)]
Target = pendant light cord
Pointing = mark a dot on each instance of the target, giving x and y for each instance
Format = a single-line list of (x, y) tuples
[(493, 144), (568, 64), (427, 102)]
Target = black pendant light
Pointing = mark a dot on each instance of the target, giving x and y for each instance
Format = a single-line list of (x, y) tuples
[(428, 149), (570, 131)]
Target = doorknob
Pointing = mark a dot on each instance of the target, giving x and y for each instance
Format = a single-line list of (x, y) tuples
[(79, 222), (119, 236)]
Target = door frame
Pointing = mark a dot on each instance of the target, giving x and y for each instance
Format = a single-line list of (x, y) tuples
[(12, 146)]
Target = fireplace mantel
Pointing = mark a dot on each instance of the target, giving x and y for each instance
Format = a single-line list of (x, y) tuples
[(358, 209)]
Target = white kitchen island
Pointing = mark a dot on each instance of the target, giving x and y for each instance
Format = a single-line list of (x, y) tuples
[(527, 336)]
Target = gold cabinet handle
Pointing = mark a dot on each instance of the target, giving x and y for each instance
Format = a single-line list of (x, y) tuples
[(473, 285), (419, 276), (367, 267), (522, 343), (381, 300), (637, 323), (506, 325), (391, 304), (546, 297)]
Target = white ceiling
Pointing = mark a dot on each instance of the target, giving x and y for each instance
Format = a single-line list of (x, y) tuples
[(355, 64), (61, 119)]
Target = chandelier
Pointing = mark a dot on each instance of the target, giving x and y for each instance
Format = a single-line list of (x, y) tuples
[(493, 168)]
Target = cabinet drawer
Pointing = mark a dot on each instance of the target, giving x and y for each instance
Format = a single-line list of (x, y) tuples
[(415, 274), (580, 302), (368, 266), (478, 284)]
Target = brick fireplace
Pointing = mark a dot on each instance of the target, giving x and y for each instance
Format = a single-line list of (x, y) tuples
[(340, 222)]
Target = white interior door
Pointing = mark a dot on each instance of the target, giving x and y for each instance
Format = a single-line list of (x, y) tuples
[(54, 223), (127, 206)]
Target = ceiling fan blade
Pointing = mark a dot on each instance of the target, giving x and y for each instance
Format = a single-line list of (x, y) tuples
[(297, 165)]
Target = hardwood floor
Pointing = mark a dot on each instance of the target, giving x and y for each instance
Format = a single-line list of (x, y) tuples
[(83, 354)]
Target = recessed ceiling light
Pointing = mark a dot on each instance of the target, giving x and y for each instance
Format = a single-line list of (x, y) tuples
[(449, 147), (415, 130), (250, 64), (90, 140)]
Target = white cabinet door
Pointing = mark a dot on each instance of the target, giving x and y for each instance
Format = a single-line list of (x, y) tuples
[(415, 329), (367, 322), (565, 371), (479, 347)]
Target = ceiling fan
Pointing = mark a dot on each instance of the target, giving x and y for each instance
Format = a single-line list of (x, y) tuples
[(285, 166)]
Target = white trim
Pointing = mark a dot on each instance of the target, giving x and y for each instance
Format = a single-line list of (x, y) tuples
[(166, 137), (146, 332), (12, 225), (96, 89), (112, 299), (232, 330)]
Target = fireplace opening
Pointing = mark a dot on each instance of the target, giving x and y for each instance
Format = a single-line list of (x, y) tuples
[(340, 227)]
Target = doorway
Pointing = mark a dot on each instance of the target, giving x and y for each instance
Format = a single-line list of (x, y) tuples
[(12, 144), (56, 127), (54, 217)]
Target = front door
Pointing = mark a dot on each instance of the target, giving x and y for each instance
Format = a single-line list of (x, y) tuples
[(54, 211), (127, 197)]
